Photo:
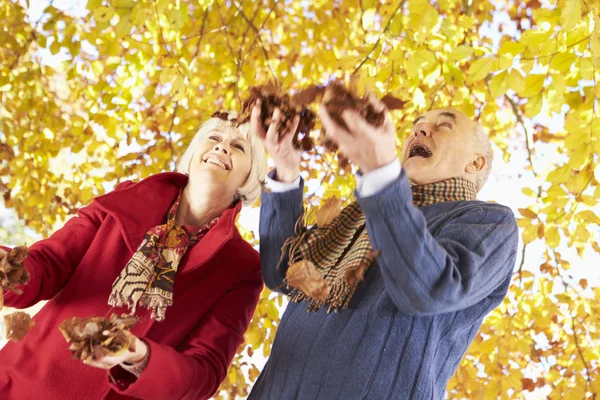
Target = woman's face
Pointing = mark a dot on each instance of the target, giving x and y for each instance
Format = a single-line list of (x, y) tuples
[(222, 157)]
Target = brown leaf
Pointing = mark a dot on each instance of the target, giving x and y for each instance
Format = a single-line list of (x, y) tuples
[(527, 213), (96, 337), (304, 276), (328, 211), (528, 384), (356, 275), (12, 270), (393, 103), (17, 325)]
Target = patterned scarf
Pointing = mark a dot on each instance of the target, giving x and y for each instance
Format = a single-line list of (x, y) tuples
[(149, 276), (327, 263)]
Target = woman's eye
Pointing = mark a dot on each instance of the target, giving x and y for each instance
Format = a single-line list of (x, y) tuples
[(214, 138), (447, 125), (240, 147)]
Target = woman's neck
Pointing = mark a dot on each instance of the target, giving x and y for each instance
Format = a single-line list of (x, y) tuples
[(198, 208)]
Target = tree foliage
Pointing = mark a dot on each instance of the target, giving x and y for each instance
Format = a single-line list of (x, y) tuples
[(116, 90)]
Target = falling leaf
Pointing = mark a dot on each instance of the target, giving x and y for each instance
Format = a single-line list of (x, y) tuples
[(17, 325), (304, 276), (331, 208)]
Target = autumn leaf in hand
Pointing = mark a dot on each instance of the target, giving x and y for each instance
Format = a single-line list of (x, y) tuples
[(272, 97), (13, 272), (96, 337)]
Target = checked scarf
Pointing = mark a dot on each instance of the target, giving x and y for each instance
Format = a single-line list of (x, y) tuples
[(327, 263), (149, 275)]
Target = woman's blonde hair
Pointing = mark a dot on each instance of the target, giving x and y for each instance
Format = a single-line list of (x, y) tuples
[(250, 190)]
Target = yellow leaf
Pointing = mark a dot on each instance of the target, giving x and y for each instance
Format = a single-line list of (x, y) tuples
[(589, 216), (570, 14), (563, 61), (368, 18), (534, 106), (480, 68), (505, 62), (527, 213), (530, 234), (123, 27), (55, 47), (122, 3), (178, 89), (103, 14), (419, 98), (93, 4), (516, 81), (139, 14), (582, 233), (534, 84), (534, 38), (529, 192), (512, 48), (499, 84), (460, 53)]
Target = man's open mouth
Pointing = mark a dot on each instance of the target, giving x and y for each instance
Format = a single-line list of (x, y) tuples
[(419, 150)]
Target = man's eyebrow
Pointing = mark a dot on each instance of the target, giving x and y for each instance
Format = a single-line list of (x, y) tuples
[(418, 119), (449, 115)]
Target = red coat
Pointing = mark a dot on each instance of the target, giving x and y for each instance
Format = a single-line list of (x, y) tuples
[(216, 291)]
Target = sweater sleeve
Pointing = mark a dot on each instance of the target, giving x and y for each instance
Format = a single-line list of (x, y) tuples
[(52, 261), (279, 212), (195, 369), (461, 264)]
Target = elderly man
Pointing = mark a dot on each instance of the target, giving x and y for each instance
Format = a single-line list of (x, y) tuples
[(400, 301)]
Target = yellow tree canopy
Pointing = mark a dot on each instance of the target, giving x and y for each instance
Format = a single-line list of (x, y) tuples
[(116, 89)]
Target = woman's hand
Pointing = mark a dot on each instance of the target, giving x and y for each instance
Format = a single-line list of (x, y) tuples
[(130, 357), (281, 149)]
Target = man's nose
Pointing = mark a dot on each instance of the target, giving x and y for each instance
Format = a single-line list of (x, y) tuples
[(421, 130)]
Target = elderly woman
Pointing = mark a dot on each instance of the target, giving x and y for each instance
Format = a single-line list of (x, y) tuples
[(166, 249)]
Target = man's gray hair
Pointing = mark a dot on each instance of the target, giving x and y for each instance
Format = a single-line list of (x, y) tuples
[(484, 147)]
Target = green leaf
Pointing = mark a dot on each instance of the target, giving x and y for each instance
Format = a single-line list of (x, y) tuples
[(570, 14), (480, 68)]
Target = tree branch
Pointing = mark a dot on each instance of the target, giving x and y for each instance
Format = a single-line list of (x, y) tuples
[(387, 27)]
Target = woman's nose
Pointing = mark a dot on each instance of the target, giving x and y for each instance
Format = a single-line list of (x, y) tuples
[(221, 148)]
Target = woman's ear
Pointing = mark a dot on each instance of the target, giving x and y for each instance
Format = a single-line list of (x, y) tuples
[(476, 165)]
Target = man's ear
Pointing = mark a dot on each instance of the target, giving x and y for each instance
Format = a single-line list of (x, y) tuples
[(476, 165)]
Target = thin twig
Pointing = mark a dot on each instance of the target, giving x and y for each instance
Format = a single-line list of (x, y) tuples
[(383, 32)]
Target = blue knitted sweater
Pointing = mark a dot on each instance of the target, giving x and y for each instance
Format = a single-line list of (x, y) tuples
[(442, 269)]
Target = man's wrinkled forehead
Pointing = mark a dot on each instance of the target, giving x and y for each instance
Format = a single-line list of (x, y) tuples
[(449, 113)]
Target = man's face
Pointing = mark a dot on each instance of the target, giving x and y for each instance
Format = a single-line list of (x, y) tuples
[(441, 145)]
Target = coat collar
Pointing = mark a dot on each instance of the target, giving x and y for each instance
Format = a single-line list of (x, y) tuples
[(140, 206)]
